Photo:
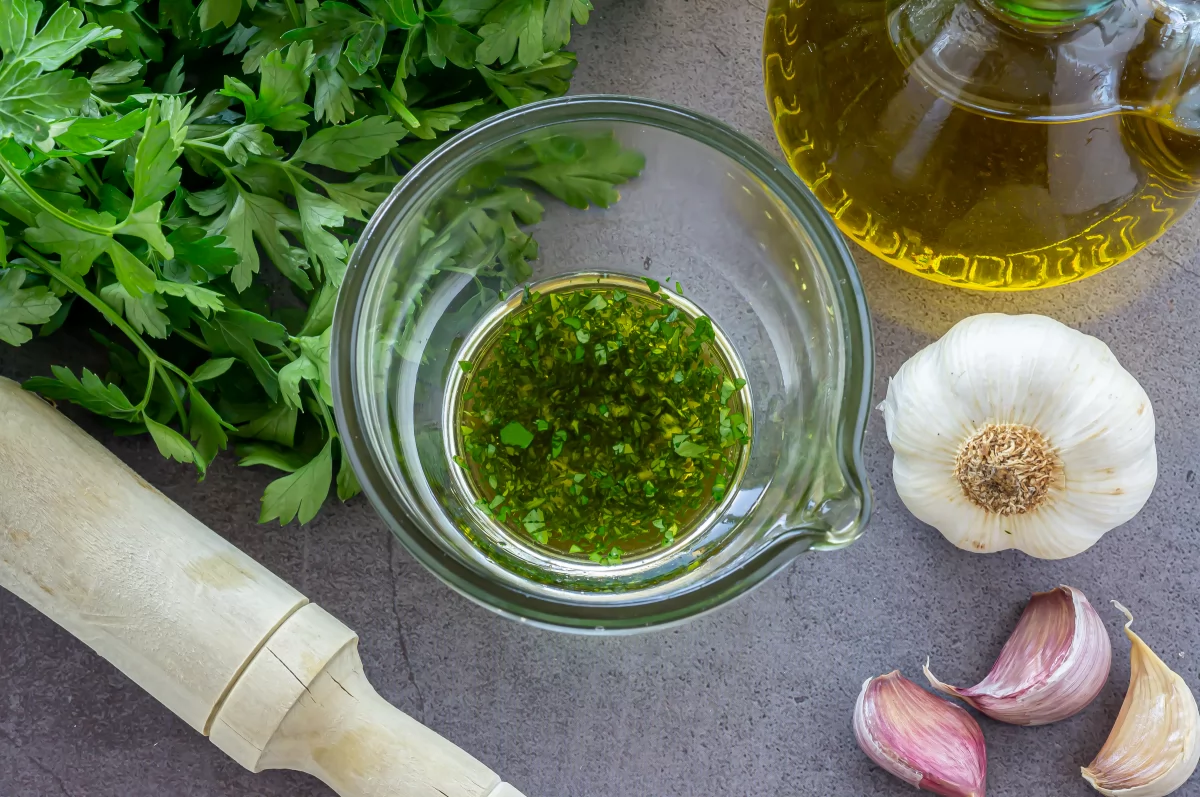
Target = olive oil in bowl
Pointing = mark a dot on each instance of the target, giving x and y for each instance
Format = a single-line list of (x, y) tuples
[(600, 419)]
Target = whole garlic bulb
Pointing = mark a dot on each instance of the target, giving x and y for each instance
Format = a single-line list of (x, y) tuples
[(1020, 432)]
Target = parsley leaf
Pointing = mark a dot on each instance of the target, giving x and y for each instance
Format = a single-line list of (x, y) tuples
[(203, 299), (556, 29), (140, 190), (316, 214), (351, 147), (534, 521), (360, 197), (333, 100), (135, 276), (237, 332), (155, 174), (219, 12), (28, 99), (61, 38), (288, 461), (111, 74), (316, 351), (402, 13), (513, 27), (172, 445), (516, 435), (588, 175), (516, 84), (211, 369), (247, 140), (20, 306), (276, 426), (255, 217), (279, 103), (365, 47), (292, 375), (347, 482), (207, 427), (90, 392), (300, 495), (463, 12), (684, 447), (143, 312)]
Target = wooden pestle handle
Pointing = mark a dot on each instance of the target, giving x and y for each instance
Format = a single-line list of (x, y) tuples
[(241, 656)]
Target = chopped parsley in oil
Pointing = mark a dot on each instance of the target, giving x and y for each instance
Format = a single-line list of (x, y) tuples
[(600, 423)]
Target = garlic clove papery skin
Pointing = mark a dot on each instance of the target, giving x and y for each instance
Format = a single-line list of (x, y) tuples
[(1020, 432), (1052, 667), (1154, 746), (920, 738)]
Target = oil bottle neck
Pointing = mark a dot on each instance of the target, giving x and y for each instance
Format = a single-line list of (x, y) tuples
[(1046, 13)]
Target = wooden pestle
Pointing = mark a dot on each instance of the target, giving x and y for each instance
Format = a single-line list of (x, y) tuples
[(275, 681)]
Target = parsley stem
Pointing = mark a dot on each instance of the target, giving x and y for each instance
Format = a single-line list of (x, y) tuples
[(202, 143), (100, 305), (92, 184), (192, 339), (206, 150), (292, 169), (95, 301), (204, 139), (11, 173), (396, 105), (152, 358), (176, 399), (329, 425), (90, 168), (295, 12), (149, 387), (182, 374), (203, 150), (292, 180)]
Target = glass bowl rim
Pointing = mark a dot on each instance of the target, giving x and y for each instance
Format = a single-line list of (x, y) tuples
[(426, 177)]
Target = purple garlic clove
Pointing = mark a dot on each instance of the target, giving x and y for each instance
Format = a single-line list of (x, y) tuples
[(922, 739)]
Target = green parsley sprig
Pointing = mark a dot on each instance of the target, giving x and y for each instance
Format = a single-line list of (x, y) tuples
[(162, 162)]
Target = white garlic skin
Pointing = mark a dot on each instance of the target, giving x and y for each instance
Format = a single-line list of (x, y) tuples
[(1154, 746), (1033, 371), (1052, 667)]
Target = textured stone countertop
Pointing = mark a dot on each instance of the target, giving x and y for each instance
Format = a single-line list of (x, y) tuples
[(752, 701)]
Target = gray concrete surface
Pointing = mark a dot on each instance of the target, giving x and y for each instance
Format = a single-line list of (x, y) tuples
[(753, 701)]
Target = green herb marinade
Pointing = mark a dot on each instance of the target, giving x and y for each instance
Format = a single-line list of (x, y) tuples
[(601, 423)]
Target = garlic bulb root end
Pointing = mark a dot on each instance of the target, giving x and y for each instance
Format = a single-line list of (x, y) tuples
[(1002, 440)]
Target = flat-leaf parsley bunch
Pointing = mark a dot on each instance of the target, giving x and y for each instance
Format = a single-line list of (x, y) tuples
[(193, 174)]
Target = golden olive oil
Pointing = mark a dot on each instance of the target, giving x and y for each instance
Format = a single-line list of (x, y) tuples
[(949, 193)]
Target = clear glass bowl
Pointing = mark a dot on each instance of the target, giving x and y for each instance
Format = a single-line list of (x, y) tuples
[(712, 211)]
